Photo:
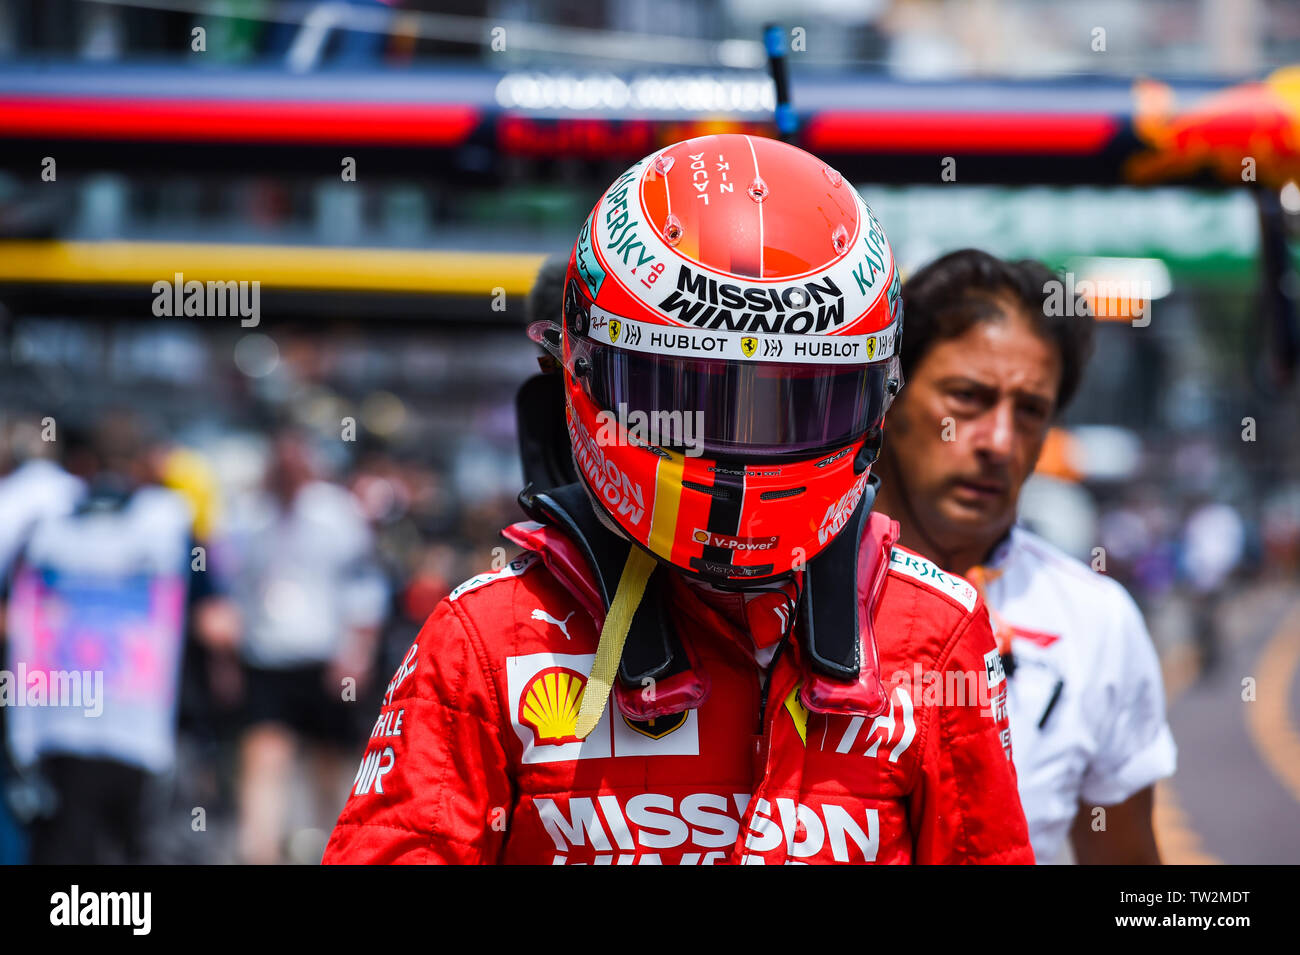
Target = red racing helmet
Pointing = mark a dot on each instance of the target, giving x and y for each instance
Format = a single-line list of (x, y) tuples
[(732, 316)]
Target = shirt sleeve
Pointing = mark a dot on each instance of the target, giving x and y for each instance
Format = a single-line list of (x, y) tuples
[(434, 784), (1134, 745), (966, 807)]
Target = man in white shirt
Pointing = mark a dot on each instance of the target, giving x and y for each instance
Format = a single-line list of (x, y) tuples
[(987, 367), (303, 570)]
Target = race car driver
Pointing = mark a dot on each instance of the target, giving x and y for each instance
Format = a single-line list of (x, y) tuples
[(712, 650), (990, 364)]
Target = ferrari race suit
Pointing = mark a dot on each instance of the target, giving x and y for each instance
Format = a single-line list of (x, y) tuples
[(473, 757)]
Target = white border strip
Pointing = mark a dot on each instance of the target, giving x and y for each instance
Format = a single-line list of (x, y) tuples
[(690, 342)]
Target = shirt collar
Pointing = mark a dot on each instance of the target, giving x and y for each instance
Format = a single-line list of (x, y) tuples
[(1000, 551)]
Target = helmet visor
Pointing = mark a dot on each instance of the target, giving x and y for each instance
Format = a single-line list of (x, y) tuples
[(733, 409)]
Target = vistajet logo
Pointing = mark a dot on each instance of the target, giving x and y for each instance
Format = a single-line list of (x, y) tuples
[(75, 907)]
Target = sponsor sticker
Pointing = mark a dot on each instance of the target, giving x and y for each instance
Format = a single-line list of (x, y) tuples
[(512, 569), (549, 705), (657, 728), (404, 670), (798, 712), (622, 496), (930, 574), (998, 707), (730, 570), (737, 346), (797, 308), (375, 765), (699, 828), (838, 514), (894, 730), (545, 694), (833, 458), (588, 265), (993, 668), (714, 539)]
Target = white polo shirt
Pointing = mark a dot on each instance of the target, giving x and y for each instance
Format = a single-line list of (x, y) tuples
[(1105, 737), (303, 575)]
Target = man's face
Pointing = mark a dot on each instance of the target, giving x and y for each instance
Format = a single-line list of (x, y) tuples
[(967, 429)]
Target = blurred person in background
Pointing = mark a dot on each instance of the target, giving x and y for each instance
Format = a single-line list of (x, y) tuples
[(101, 600), (412, 515), (312, 600), (36, 486), (33, 487), (988, 365), (211, 679), (1213, 546)]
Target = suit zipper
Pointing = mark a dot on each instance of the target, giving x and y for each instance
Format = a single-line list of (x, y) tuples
[(766, 684)]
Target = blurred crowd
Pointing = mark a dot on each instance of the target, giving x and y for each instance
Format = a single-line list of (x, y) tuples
[(243, 631)]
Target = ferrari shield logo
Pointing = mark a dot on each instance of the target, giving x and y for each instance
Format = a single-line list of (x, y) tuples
[(615, 326), (657, 728), (871, 347), (749, 345)]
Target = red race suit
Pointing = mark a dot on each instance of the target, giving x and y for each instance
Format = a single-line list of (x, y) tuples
[(473, 757)]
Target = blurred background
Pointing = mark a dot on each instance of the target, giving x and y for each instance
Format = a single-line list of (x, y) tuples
[(278, 494)]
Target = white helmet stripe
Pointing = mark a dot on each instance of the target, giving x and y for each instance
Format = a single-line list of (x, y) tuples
[(687, 342)]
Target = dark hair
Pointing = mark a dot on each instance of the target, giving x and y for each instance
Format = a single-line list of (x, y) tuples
[(955, 291)]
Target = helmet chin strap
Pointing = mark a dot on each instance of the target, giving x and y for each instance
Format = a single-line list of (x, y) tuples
[(609, 651), (638, 640), (830, 623), (618, 622)]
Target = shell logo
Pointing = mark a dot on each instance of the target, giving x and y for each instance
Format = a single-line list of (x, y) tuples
[(701, 536), (549, 705)]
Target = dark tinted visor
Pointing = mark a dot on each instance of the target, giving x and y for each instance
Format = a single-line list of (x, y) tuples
[(744, 409)]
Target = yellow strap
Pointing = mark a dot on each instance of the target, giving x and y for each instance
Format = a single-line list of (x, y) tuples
[(631, 588)]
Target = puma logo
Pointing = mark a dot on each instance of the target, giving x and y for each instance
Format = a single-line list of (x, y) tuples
[(547, 618)]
